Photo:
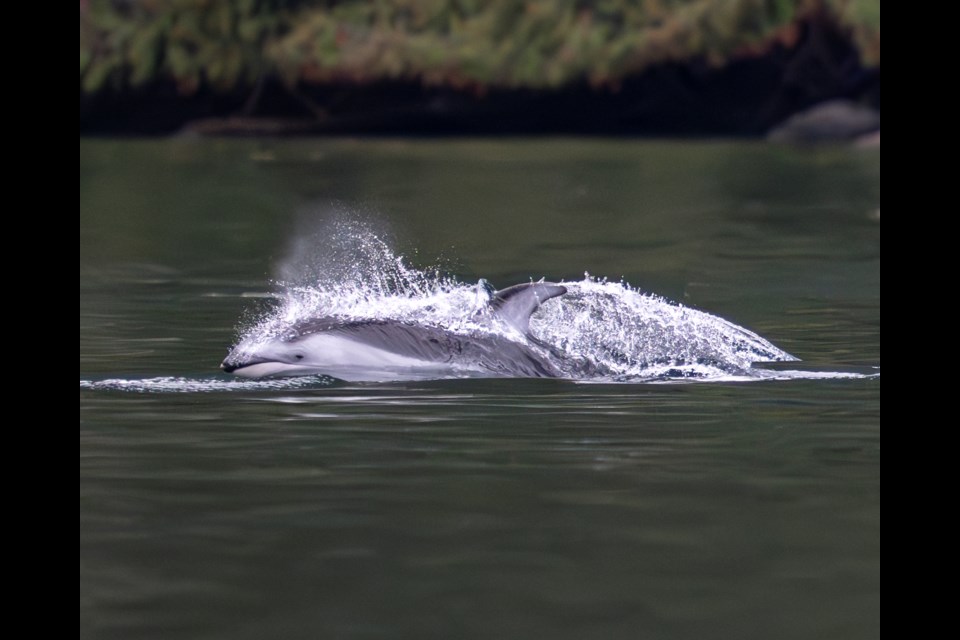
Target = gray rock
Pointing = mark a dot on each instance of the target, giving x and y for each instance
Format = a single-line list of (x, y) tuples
[(832, 121)]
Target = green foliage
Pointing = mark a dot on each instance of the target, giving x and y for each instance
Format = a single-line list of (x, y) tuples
[(195, 42), (461, 43), (862, 18)]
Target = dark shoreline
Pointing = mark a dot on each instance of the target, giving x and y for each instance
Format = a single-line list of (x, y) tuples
[(745, 98)]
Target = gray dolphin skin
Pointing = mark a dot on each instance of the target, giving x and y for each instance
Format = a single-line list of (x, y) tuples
[(360, 350)]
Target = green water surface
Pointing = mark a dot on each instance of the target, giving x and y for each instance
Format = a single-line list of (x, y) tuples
[(480, 508)]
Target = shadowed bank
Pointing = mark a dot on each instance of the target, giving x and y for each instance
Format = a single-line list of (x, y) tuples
[(289, 67)]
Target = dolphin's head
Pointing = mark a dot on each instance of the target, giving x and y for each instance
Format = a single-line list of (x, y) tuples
[(271, 357)]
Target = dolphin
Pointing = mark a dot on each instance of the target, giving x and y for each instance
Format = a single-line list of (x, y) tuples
[(359, 350)]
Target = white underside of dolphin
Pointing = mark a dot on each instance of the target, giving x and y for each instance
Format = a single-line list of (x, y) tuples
[(331, 353)]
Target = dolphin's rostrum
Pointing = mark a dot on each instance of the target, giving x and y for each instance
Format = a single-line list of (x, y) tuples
[(382, 349)]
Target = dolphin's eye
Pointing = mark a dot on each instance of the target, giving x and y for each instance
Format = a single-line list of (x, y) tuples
[(299, 356)]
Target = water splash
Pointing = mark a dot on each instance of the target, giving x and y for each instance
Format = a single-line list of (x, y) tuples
[(632, 335), (354, 274), (598, 332)]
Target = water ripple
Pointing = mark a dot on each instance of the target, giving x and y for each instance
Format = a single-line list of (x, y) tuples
[(177, 384)]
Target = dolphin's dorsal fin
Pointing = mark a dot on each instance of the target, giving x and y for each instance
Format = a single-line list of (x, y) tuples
[(514, 305)]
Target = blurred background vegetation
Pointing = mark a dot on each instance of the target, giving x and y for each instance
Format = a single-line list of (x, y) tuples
[(151, 66)]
